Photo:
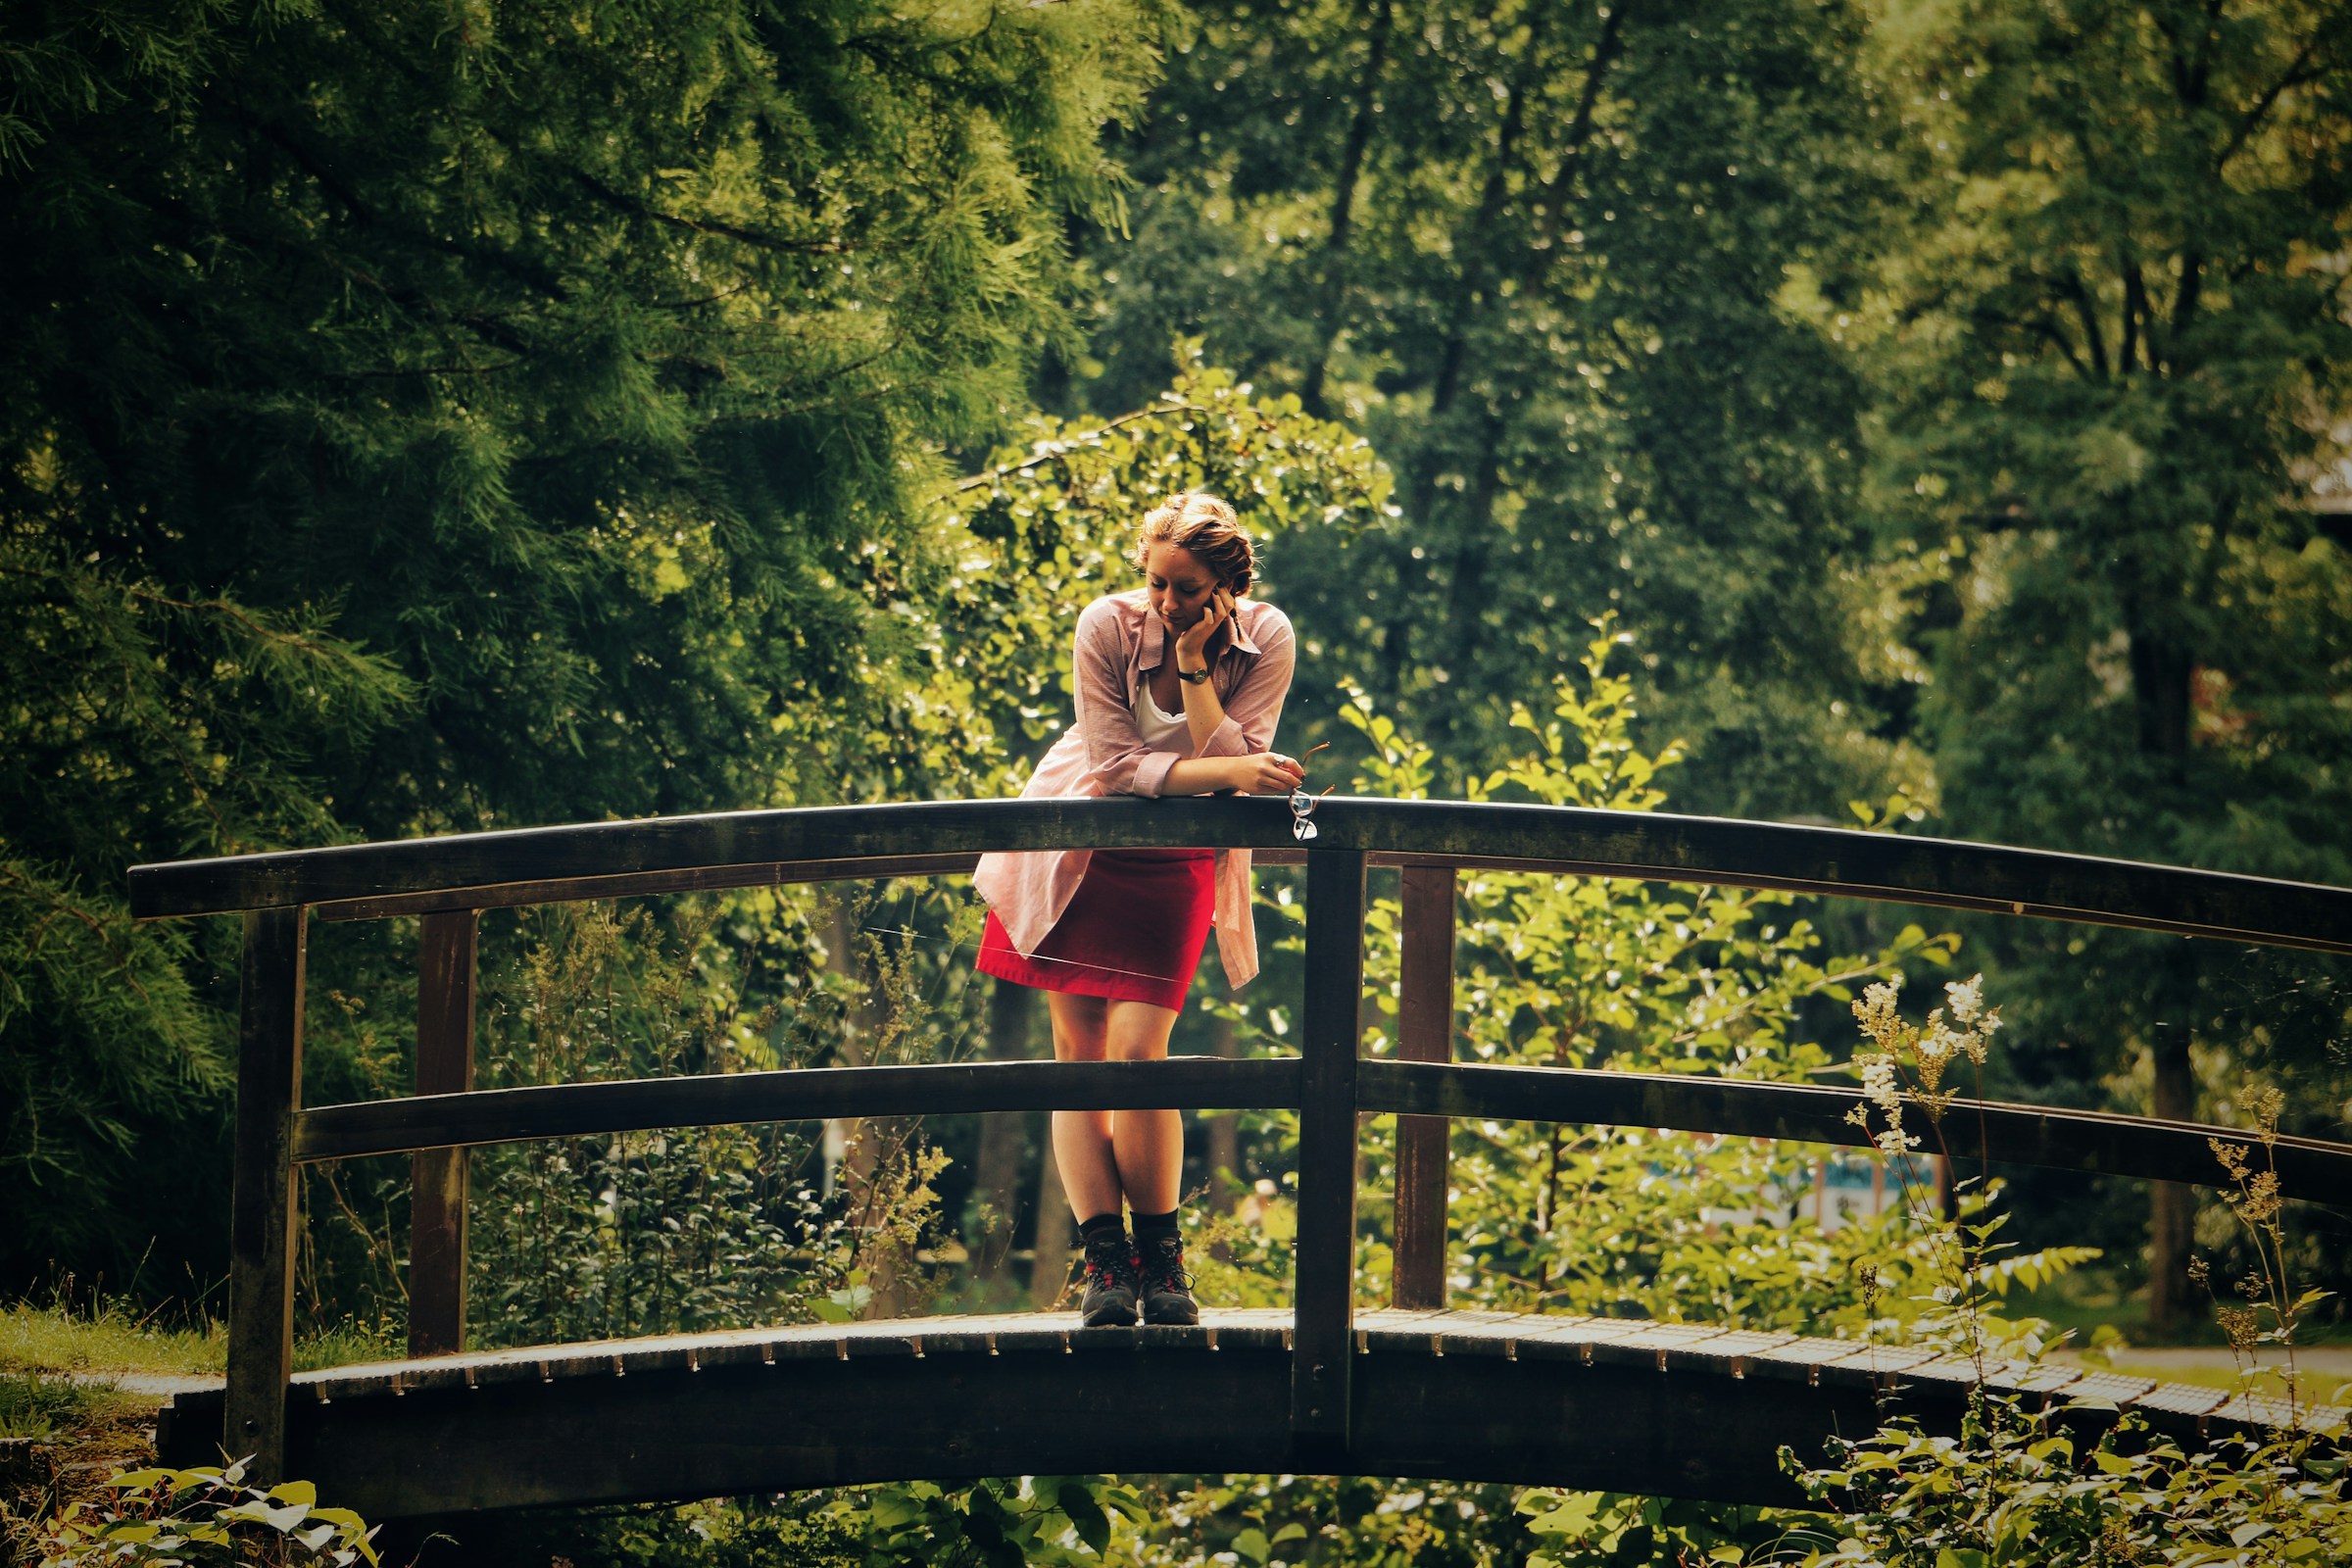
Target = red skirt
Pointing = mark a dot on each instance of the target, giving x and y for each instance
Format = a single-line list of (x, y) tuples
[(1133, 930)]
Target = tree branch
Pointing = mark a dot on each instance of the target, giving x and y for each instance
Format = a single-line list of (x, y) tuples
[(2296, 75), (2087, 310), (2135, 310), (1101, 430), (622, 201)]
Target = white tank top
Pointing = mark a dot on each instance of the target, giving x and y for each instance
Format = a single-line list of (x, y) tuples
[(1162, 732)]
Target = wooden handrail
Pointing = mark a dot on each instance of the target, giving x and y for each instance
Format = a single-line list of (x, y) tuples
[(2010, 1134), (2045, 1136), (750, 848), (807, 1094)]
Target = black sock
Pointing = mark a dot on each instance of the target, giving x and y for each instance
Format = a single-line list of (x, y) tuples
[(1149, 1226), (1101, 1224)]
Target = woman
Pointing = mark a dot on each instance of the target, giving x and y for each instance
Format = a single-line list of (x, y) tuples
[(1179, 685)]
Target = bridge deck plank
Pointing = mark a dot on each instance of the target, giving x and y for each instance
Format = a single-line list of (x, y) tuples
[(1689, 1409)]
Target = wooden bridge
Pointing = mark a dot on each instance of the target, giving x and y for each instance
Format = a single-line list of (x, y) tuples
[(1678, 1409)]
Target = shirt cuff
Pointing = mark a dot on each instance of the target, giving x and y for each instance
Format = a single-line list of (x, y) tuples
[(1152, 774)]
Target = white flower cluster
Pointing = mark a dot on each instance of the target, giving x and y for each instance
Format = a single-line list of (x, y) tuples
[(1929, 1049), (1881, 1087)]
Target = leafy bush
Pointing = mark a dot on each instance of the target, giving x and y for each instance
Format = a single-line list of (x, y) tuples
[(2017, 1487), (2011, 1490), (199, 1518)]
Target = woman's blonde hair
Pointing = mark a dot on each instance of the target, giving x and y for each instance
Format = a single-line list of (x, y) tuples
[(1204, 525)]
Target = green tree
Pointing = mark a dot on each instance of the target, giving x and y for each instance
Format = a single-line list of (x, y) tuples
[(2109, 335), (1611, 1221), (457, 416), (1534, 253)]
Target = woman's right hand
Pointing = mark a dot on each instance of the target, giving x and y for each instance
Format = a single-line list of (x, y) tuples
[(1267, 773)]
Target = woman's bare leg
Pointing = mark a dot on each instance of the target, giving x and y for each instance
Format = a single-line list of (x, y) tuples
[(1147, 1145), (1082, 1138)]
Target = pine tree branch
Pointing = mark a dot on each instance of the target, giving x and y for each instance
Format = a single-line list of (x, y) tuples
[(709, 227)]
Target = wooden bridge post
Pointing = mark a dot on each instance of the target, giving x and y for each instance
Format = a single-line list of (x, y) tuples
[(261, 1205), (1323, 1275), (1424, 1033), (445, 1013)]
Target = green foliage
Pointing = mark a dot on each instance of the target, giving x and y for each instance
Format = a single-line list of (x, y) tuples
[(198, 1518), (1587, 1529), (32, 1405), (1051, 524), (455, 415), (1533, 252), (1592, 972), (658, 1231), (1321, 1522), (2011, 1490), (114, 754), (1049, 1522), (2108, 343), (651, 1232)]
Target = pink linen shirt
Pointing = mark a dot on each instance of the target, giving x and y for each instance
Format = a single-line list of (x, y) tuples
[(1120, 642)]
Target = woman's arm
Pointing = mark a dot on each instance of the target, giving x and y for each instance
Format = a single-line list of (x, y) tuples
[(1117, 762), (1234, 754), (1204, 712)]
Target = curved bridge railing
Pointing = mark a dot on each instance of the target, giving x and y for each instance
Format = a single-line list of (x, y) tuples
[(449, 880)]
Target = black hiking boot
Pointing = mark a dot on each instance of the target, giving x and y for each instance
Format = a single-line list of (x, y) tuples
[(1168, 1290), (1111, 1282)]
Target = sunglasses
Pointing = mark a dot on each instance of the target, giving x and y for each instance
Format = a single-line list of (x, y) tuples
[(1303, 811), (1302, 804)]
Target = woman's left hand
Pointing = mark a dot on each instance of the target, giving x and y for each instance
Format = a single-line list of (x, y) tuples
[(1194, 643)]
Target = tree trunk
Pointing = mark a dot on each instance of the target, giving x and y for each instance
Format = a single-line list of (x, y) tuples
[(1342, 209), (2173, 1206), (1056, 1231), (2161, 668), (1474, 241), (1225, 1131), (997, 1169)]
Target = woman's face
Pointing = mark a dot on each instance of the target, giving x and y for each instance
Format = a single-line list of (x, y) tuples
[(1179, 585)]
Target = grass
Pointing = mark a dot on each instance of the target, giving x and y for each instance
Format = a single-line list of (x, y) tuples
[(36, 1407), (350, 1343), (2317, 1387), (94, 1342), (60, 1336), (2089, 1298)]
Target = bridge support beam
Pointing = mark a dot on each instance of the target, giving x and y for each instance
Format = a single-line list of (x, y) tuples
[(264, 1215), (1424, 1033), (1323, 1273), (445, 1014)]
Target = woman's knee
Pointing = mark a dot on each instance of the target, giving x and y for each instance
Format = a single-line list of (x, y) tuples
[(1137, 1031), (1079, 1028)]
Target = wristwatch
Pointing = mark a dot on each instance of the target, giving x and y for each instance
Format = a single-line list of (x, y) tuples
[(1191, 677)]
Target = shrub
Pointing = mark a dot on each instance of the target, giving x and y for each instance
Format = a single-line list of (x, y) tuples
[(200, 1518)]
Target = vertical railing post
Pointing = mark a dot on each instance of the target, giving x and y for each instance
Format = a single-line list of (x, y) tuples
[(1424, 1033), (261, 1201), (445, 1013), (1324, 1272)]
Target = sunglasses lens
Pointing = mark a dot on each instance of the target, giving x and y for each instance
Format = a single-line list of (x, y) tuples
[(1302, 829)]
